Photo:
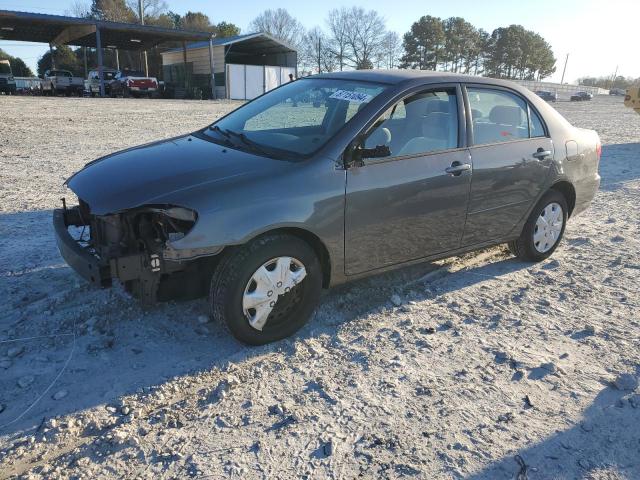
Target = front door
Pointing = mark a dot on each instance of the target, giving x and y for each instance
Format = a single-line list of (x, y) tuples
[(512, 155), (411, 203)]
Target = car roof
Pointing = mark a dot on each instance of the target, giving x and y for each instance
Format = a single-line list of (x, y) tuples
[(395, 77)]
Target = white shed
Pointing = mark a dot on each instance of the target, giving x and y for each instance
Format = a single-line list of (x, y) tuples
[(244, 66)]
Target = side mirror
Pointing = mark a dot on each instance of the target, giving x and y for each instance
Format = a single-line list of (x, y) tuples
[(379, 151), (357, 152)]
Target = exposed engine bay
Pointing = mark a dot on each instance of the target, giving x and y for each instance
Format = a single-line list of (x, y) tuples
[(131, 246)]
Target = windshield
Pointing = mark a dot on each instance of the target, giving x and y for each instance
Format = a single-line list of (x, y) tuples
[(296, 119), (132, 73), (5, 68)]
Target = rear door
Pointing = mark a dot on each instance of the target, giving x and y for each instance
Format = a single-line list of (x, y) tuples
[(512, 154), (411, 203)]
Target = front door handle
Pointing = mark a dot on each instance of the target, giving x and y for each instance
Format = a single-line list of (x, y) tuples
[(457, 168), (541, 154)]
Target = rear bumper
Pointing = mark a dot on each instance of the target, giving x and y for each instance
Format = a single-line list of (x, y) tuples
[(585, 193), (88, 266)]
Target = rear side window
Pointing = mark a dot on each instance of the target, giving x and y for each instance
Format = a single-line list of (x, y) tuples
[(497, 116)]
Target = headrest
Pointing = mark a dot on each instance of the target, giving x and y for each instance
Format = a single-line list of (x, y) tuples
[(415, 109), (506, 115), (437, 106), (436, 125)]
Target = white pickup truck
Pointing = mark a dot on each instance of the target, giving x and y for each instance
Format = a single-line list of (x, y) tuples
[(62, 81)]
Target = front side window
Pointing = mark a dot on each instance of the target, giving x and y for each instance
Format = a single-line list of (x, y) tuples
[(296, 119), (497, 116), (422, 123)]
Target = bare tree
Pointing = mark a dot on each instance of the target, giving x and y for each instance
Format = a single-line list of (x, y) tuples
[(365, 33), (317, 53), (279, 24), (338, 21), (391, 49), (79, 9), (150, 8)]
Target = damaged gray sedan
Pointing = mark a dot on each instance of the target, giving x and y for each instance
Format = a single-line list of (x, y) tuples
[(323, 180)]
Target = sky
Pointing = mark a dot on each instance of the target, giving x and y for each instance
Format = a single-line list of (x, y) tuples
[(597, 35)]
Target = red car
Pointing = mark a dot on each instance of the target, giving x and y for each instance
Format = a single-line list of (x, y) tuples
[(134, 83)]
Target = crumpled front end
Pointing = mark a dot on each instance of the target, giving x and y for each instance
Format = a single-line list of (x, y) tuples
[(132, 246)]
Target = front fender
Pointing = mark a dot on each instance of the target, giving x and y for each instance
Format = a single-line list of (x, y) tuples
[(309, 198)]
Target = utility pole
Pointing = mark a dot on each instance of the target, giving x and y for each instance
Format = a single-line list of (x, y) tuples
[(144, 53), (564, 70), (84, 54)]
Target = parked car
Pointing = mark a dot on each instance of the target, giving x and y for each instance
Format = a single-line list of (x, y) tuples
[(93, 81), (278, 199), (28, 85), (7, 82), (133, 83), (619, 92), (61, 82), (581, 96), (547, 95)]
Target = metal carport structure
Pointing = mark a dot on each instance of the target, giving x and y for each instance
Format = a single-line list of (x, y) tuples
[(83, 32)]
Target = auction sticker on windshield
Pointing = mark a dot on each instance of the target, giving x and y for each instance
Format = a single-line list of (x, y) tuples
[(355, 97)]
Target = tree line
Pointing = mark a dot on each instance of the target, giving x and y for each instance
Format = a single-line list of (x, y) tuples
[(610, 82), (358, 38), (351, 38)]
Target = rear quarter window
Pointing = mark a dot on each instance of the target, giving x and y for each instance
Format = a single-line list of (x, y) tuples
[(537, 127)]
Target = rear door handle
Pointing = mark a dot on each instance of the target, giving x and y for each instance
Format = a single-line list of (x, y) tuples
[(542, 154), (457, 168)]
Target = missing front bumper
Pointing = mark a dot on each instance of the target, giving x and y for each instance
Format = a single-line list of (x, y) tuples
[(98, 271), (88, 266)]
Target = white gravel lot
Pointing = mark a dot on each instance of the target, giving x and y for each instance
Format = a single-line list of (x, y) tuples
[(477, 367)]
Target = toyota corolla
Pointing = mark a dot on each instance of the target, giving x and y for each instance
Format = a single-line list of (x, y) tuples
[(324, 180)]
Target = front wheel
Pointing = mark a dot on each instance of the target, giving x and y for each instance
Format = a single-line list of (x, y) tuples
[(544, 229), (266, 290)]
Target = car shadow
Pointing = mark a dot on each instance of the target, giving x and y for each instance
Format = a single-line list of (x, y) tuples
[(595, 447), (66, 346)]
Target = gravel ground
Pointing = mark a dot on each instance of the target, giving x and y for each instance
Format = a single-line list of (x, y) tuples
[(477, 367)]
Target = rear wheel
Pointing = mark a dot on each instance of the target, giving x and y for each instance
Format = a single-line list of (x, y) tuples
[(544, 229), (267, 289)]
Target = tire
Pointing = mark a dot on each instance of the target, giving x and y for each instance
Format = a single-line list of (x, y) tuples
[(234, 277), (526, 248)]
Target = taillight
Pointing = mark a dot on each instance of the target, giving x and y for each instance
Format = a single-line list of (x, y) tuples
[(599, 149)]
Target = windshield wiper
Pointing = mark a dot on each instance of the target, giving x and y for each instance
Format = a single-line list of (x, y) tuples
[(256, 147), (222, 132)]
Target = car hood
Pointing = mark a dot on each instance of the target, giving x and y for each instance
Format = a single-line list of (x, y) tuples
[(163, 172)]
